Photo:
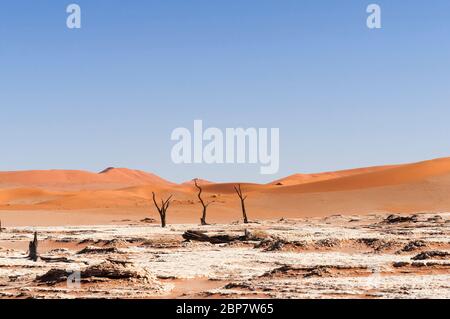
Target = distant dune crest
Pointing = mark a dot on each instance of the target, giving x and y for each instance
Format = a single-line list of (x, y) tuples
[(110, 178)]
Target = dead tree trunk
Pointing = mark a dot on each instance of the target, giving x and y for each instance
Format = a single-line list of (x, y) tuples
[(204, 205), (163, 209), (1, 226), (193, 235), (242, 198), (33, 248)]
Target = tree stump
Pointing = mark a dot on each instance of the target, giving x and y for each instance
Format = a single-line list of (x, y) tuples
[(33, 248)]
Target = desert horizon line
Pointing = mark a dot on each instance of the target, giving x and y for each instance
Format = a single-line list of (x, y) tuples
[(109, 168)]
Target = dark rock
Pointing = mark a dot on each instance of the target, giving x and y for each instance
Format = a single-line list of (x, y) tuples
[(275, 245), (148, 220), (317, 271), (433, 254), (418, 264), (414, 245), (327, 242), (394, 219), (54, 276), (436, 219), (400, 264), (240, 285)]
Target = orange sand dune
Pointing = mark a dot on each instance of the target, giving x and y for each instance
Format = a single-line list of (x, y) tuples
[(429, 195), (396, 175), (124, 198), (409, 188), (78, 180), (296, 179), (25, 196)]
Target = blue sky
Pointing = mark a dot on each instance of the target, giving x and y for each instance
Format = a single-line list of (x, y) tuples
[(111, 93)]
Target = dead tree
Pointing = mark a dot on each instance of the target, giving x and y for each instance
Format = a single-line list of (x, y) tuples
[(242, 198), (205, 205), (33, 248), (1, 226), (163, 209), (194, 235)]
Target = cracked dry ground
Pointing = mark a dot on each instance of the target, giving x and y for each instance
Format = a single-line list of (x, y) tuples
[(372, 256)]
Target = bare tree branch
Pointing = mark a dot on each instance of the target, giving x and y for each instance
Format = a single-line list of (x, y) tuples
[(204, 205), (163, 209), (242, 198)]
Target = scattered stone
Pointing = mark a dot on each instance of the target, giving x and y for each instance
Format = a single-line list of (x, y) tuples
[(436, 219), (418, 264), (148, 220), (314, 271), (116, 242), (240, 285), (327, 242), (433, 254), (98, 250), (85, 241), (318, 271), (59, 251), (414, 245), (395, 219), (370, 242), (120, 262), (54, 276), (257, 235), (400, 264), (275, 245), (280, 270), (438, 264)]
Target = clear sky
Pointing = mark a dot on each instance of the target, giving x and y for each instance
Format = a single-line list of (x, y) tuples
[(111, 93)]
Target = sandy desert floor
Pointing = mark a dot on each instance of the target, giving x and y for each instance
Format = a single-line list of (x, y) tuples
[(355, 256)]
